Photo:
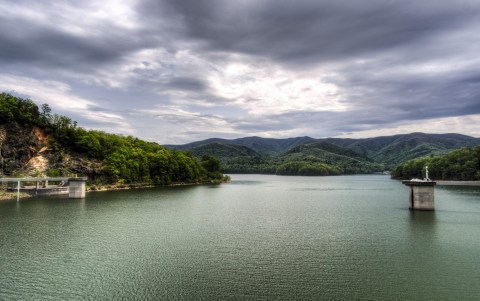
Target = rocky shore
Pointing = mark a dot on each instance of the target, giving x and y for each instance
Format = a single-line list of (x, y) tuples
[(147, 185), (12, 195), (8, 196)]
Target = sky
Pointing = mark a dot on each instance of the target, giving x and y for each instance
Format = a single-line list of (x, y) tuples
[(179, 71)]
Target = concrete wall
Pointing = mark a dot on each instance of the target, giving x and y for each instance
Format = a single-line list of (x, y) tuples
[(422, 198), (77, 188)]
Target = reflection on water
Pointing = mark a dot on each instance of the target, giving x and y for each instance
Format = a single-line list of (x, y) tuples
[(422, 226), (422, 218)]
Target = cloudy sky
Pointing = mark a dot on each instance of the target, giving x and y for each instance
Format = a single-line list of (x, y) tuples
[(177, 71)]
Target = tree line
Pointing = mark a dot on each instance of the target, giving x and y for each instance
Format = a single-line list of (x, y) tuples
[(125, 159), (461, 165)]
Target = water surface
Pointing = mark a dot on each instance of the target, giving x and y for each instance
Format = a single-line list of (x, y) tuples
[(257, 238)]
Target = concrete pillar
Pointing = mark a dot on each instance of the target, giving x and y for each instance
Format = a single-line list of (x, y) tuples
[(77, 188), (421, 195)]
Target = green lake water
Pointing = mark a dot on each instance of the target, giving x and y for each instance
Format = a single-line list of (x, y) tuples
[(257, 238)]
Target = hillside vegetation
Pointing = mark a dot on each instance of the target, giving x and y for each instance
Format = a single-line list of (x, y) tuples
[(462, 164), (234, 158), (311, 159), (323, 158), (393, 150), (262, 146), (308, 156), (28, 134)]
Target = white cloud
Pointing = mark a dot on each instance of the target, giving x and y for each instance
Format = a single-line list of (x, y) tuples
[(83, 19), (55, 93), (267, 89), (239, 81), (179, 125), (61, 98)]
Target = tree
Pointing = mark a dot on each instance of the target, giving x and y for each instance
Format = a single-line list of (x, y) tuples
[(210, 164), (46, 111), (461, 164)]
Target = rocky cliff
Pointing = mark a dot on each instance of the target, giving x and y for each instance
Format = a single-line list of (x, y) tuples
[(25, 151), (18, 145)]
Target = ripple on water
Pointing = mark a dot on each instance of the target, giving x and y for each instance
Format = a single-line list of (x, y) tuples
[(257, 238)]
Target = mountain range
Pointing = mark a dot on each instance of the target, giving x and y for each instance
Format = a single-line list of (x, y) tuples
[(306, 155)]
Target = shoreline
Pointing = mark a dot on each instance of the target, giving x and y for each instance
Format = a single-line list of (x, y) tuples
[(12, 196), (458, 183), (111, 187)]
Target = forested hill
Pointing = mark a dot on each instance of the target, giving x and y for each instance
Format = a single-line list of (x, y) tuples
[(392, 150), (462, 165), (264, 154), (323, 158), (262, 146), (36, 142), (315, 158)]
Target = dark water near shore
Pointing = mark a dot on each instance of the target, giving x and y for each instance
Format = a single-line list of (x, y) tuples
[(257, 238)]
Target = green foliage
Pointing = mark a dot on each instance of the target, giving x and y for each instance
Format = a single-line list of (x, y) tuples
[(36, 173), (46, 110), (210, 163), (349, 156), (212, 166), (249, 146), (322, 158), (130, 160), (54, 173), (312, 159), (393, 150), (462, 165), (125, 159), (307, 169), (16, 110)]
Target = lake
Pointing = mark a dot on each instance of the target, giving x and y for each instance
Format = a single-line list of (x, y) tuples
[(259, 237)]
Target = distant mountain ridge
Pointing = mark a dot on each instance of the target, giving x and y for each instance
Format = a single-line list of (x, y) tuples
[(256, 154), (328, 147), (219, 149), (263, 146), (393, 150)]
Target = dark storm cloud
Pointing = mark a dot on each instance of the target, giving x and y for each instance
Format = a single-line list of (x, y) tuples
[(389, 61), (44, 43), (312, 31), (412, 95), (188, 84), (54, 48), (390, 33), (332, 123), (295, 32)]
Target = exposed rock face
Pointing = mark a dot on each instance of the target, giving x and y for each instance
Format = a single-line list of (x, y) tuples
[(78, 165), (27, 151), (37, 166), (17, 146)]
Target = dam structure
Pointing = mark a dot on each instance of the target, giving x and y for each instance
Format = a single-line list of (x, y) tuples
[(421, 194)]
